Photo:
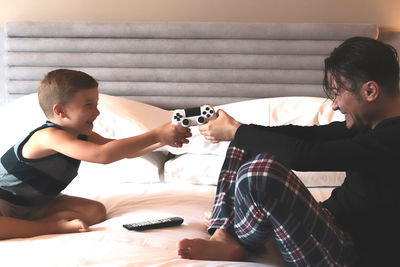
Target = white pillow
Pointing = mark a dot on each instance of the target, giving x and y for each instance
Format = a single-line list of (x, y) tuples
[(18, 118), (145, 169), (122, 117), (193, 169), (267, 112), (205, 169), (321, 179), (119, 117)]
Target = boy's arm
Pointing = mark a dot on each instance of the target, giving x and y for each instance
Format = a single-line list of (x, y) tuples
[(113, 150), (100, 140)]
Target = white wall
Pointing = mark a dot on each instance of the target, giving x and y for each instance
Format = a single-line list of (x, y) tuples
[(383, 12)]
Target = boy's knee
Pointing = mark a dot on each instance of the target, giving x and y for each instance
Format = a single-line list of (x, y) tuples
[(96, 212)]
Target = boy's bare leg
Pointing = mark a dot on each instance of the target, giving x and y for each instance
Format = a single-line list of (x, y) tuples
[(66, 214), (17, 228), (68, 208), (221, 246)]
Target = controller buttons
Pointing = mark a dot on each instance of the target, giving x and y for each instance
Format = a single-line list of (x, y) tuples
[(200, 120), (209, 113), (185, 122), (178, 117)]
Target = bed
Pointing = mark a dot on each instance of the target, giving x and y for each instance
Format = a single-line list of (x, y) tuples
[(262, 73)]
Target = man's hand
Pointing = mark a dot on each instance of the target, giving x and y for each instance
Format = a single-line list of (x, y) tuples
[(223, 128)]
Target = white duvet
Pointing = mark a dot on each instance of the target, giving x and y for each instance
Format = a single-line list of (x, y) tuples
[(109, 244)]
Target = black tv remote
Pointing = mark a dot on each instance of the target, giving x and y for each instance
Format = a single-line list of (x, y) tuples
[(154, 224)]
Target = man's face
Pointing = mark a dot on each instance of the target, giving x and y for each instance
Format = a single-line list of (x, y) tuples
[(352, 106)]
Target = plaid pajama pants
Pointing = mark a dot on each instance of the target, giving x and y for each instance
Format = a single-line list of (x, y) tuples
[(257, 197)]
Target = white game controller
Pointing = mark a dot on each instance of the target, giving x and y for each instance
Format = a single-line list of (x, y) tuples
[(193, 116)]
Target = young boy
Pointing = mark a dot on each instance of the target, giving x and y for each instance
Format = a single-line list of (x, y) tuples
[(35, 170)]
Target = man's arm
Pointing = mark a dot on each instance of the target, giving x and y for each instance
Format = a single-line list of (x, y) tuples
[(318, 154), (332, 131), (224, 128)]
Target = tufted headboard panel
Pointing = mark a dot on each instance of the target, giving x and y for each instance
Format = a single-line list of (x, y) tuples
[(177, 64)]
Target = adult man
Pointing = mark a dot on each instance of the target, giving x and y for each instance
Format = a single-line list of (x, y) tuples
[(259, 197)]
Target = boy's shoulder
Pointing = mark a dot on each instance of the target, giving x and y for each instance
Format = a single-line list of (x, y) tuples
[(51, 130), (47, 128), (47, 131)]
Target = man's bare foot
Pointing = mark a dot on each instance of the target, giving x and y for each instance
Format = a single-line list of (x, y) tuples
[(221, 246), (73, 226)]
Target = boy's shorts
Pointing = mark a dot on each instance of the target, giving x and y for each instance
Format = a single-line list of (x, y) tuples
[(22, 212)]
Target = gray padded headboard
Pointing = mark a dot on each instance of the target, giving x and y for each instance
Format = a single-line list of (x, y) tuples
[(178, 64), (3, 92)]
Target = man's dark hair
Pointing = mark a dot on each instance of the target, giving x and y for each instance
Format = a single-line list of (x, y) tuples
[(358, 60)]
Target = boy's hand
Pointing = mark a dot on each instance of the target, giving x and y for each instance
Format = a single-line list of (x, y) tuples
[(174, 135)]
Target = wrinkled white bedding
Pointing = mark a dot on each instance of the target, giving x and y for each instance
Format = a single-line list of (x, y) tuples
[(109, 244)]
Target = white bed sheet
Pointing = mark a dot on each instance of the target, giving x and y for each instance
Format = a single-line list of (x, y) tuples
[(205, 169), (109, 244)]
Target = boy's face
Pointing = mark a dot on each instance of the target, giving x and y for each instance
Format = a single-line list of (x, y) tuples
[(81, 111)]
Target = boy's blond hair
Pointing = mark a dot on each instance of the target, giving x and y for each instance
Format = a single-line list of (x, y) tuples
[(59, 86)]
